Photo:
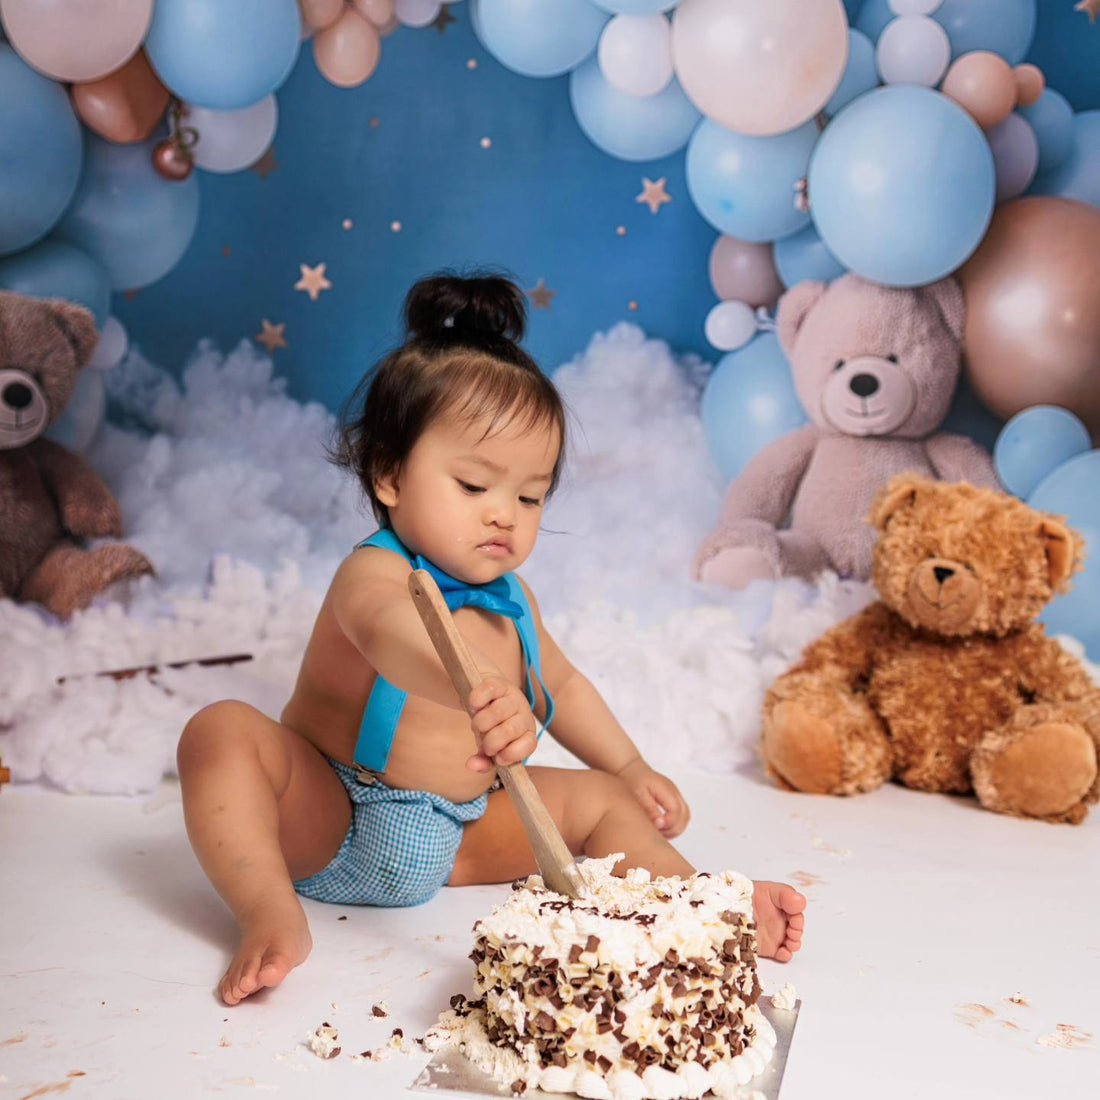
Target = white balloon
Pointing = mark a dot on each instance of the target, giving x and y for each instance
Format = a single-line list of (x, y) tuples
[(1015, 155), (913, 7), (759, 67), (730, 325), (913, 49), (232, 140), (635, 53), (112, 345), (416, 13)]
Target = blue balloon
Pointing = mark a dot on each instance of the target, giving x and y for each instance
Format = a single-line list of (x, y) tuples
[(223, 55), (860, 73), (538, 37), (1051, 117), (635, 7), (630, 127), (873, 17), (746, 186), (57, 269), (902, 186), (39, 153), (804, 256), (1034, 443), (749, 401), (134, 223), (1078, 177), (1071, 492), (1005, 27)]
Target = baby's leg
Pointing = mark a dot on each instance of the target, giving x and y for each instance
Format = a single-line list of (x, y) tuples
[(263, 808), (597, 814)]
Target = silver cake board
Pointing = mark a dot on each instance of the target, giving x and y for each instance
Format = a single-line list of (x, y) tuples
[(450, 1071)]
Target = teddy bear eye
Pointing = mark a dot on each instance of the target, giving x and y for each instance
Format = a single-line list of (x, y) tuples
[(838, 364), (892, 358)]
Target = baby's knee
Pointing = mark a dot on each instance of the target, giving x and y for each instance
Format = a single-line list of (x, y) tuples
[(211, 731)]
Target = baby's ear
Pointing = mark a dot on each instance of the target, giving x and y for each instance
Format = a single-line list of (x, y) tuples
[(1060, 548), (899, 492), (385, 489)]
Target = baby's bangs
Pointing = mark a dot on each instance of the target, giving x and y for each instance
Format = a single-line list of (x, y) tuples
[(505, 396)]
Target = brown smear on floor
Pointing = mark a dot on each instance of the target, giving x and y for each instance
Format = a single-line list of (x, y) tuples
[(805, 879), (20, 1038), (45, 1090), (1066, 1037), (973, 1014)]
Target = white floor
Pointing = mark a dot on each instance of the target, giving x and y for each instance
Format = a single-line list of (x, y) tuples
[(927, 917)]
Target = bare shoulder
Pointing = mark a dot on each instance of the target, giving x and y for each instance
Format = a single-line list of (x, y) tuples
[(530, 599), (367, 578)]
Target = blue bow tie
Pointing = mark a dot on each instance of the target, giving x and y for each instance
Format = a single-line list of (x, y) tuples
[(492, 596)]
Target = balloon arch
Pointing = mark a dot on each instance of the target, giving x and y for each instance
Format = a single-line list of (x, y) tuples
[(896, 139)]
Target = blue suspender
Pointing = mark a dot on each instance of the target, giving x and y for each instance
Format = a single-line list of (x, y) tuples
[(385, 703)]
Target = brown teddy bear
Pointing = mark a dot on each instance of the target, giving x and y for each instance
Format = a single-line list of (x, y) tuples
[(50, 499), (947, 683)]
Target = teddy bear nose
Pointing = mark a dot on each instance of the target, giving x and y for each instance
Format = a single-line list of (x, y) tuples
[(942, 573), (863, 385), (16, 395)]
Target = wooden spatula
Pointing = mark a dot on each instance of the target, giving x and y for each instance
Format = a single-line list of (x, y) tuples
[(556, 865)]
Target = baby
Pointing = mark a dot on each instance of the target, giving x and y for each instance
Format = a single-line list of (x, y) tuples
[(376, 787)]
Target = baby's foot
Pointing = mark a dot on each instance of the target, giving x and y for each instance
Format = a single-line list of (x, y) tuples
[(274, 940), (779, 920)]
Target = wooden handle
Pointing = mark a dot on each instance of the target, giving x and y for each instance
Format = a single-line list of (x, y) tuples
[(556, 864)]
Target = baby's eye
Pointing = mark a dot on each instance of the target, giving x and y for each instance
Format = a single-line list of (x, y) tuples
[(533, 501), (468, 488)]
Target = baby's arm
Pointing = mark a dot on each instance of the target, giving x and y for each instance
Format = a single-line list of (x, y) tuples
[(584, 724)]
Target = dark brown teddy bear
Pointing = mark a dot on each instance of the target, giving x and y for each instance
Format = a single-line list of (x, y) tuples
[(50, 499), (948, 683)]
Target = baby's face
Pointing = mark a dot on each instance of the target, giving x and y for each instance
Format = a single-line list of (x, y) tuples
[(471, 503)]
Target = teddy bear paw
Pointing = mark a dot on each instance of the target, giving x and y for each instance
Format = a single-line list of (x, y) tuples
[(801, 750), (737, 567)]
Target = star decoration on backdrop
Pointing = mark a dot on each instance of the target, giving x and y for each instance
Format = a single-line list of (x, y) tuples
[(653, 194), (1092, 7), (443, 20), (271, 336), (541, 295), (313, 281), (266, 164)]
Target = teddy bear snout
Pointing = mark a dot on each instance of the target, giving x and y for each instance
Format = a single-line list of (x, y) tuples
[(17, 395), (868, 395), (863, 385), (23, 409), (943, 595)]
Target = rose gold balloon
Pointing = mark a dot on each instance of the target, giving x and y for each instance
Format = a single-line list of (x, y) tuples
[(379, 12), (388, 28), (1033, 309), (320, 13), (984, 85), (125, 106), (348, 51), (745, 271), (172, 161), (79, 41), (1030, 83)]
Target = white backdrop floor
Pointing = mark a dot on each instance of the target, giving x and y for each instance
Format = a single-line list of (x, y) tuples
[(949, 953)]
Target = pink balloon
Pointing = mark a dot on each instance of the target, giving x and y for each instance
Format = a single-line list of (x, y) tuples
[(76, 42), (348, 51), (745, 271)]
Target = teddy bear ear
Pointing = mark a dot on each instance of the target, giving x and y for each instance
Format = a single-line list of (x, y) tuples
[(794, 307), (1060, 547), (899, 492), (948, 297), (78, 326)]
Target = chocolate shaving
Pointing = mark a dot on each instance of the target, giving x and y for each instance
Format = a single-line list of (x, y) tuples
[(378, 1010)]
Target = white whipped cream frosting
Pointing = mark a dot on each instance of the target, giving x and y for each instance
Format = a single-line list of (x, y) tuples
[(785, 997)]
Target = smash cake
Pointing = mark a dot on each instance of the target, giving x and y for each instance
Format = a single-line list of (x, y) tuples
[(642, 988)]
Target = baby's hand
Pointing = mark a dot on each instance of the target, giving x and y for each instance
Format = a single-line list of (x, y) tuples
[(503, 724), (659, 796)]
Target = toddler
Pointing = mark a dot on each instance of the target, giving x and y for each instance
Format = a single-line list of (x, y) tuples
[(376, 787)]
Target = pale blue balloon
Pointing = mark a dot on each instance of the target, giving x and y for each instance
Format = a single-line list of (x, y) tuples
[(804, 256), (40, 151), (1051, 117), (635, 7), (136, 224), (1005, 27), (1070, 491), (860, 73), (538, 37), (1078, 176), (873, 17), (746, 186), (749, 400), (57, 269), (223, 54), (902, 186), (1034, 443), (630, 127)]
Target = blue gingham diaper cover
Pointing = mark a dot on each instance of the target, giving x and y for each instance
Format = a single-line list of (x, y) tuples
[(399, 849)]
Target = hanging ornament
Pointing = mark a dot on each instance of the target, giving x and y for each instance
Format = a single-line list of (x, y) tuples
[(172, 157)]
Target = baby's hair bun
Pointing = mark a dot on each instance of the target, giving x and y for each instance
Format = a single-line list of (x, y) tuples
[(484, 309)]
